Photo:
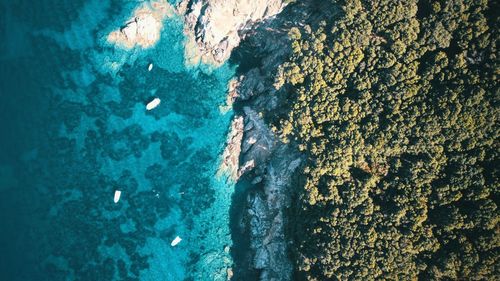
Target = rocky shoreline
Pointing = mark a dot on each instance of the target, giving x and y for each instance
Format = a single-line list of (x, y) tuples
[(251, 31), (254, 156), (215, 27), (264, 209), (265, 164), (255, 37)]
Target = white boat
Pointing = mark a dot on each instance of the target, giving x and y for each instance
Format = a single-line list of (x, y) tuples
[(176, 241), (150, 67), (118, 193), (152, 104)]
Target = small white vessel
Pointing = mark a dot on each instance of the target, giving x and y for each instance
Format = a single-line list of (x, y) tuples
[(176, 241), (152, 104), (118, 193), (150, 67)]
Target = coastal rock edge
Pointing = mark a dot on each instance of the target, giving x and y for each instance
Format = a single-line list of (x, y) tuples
[(215, 27)]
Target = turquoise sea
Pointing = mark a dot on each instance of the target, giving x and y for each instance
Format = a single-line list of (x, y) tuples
[(74, 128)]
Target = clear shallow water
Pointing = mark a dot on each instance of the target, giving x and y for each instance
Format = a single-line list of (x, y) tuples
[(74, 129)]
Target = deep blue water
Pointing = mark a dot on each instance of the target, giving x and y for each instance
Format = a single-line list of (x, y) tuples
[(73, 129)]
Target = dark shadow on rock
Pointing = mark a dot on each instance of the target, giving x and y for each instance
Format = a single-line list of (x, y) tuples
[(240, 251)]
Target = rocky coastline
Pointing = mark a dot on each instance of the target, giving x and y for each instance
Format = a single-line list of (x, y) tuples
[(262, 210), (254, 35), (242, 31), (255, 157), (215, 27)]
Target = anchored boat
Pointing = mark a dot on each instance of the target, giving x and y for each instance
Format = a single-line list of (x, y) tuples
[(152, 104)]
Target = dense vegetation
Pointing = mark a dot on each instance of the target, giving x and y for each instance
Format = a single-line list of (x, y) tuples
[(396, 105)]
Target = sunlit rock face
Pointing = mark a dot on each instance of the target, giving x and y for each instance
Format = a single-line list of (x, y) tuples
[(144, 27), (215, 27)]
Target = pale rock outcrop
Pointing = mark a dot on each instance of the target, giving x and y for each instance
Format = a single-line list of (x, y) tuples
[(232, 94), (248, 166), (214, 27), (231, 156), (143, 29)]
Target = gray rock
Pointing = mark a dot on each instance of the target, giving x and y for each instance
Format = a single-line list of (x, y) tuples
[(248, 124), (261, 138), (261, 259), (247, 144), (275, 162)]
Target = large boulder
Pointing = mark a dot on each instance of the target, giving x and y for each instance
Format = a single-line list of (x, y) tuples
[(143, 29)]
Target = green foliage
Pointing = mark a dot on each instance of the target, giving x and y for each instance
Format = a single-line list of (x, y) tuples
[(396, 104)]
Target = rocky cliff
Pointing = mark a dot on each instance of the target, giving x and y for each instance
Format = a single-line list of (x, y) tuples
[(215, 27), (262, 212), (243, 29)]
